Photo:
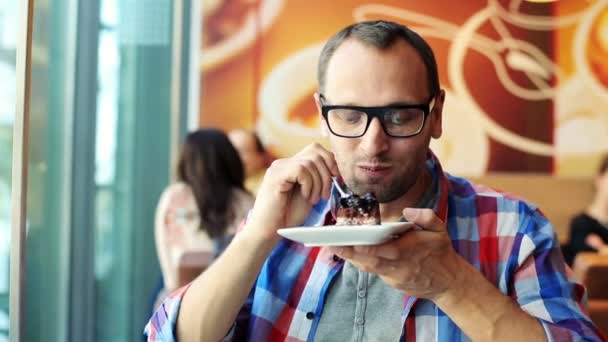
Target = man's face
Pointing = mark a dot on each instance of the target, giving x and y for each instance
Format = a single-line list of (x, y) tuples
[(366, 76)]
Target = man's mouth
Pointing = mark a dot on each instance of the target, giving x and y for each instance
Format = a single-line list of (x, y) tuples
[(375, 170)]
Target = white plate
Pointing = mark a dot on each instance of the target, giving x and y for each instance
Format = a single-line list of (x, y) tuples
[(346, 235)]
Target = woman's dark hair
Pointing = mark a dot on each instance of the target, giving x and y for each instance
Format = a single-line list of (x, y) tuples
[(211, 166)]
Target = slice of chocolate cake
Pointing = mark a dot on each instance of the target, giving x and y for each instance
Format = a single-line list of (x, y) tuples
[(356, 210)]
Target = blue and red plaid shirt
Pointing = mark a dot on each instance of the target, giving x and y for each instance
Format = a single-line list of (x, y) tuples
[(508, 240)]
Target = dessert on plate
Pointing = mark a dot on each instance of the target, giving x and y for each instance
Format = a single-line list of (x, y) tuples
[(357, 210)]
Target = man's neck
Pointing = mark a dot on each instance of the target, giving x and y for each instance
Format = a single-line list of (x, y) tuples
[(393, 211)]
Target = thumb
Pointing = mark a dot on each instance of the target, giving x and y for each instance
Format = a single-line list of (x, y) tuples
[(425, 218)]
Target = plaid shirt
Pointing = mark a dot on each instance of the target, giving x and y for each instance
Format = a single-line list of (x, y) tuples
[(508, 240)]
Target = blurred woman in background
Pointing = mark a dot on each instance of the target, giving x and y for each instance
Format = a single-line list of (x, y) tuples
[(203, 209), (254, 155), (589, 230)]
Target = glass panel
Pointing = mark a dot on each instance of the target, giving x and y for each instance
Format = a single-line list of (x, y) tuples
[(8, 36), (132, 158), (111, 265), (131, 164), (48, 243)]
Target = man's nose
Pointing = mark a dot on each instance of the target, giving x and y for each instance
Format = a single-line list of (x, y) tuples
[(375, 141)]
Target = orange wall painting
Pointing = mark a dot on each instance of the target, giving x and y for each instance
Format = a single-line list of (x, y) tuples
[(526, 82)]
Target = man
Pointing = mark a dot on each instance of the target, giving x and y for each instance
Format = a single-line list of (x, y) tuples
[(253, 154), (483, 266)]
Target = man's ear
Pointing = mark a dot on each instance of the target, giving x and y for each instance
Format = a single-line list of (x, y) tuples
[(324, 128), (436, 115)]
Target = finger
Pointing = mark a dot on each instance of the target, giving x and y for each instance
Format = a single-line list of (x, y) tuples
[(317, 181), (340, 251), (369, 263), (389, 250), (281, 175), (330, 160), (351, 254), (365, 266), (425, 218), (365, 263), (325, 175), (316, 148), (304, 179), (387, 268), (325, 160)]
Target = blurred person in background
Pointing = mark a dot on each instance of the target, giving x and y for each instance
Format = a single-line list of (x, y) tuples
[(253, 154), (202, 210), (589, 229)]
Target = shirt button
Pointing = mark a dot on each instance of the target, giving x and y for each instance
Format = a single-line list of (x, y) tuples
[(360, 321), (361, 294), (336, 258), (310, 315)]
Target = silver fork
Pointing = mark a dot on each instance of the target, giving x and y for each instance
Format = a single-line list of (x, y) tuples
[(337, 185)]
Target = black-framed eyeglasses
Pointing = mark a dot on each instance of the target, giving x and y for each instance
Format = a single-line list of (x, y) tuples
[(398, 121)]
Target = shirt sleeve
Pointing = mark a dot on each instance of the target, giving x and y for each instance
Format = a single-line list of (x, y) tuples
[(162, 324), (543, 287)]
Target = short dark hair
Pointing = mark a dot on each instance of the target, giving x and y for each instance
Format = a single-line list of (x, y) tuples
[(381, 34), (212, 168)]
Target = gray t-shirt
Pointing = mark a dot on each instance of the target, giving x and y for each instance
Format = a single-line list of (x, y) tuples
[(360, 306)]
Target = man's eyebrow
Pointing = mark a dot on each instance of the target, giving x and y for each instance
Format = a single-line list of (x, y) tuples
[(404, 103), (392, 104)]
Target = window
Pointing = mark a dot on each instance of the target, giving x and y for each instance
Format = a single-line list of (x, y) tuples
[(8, 36), (98, 161)]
